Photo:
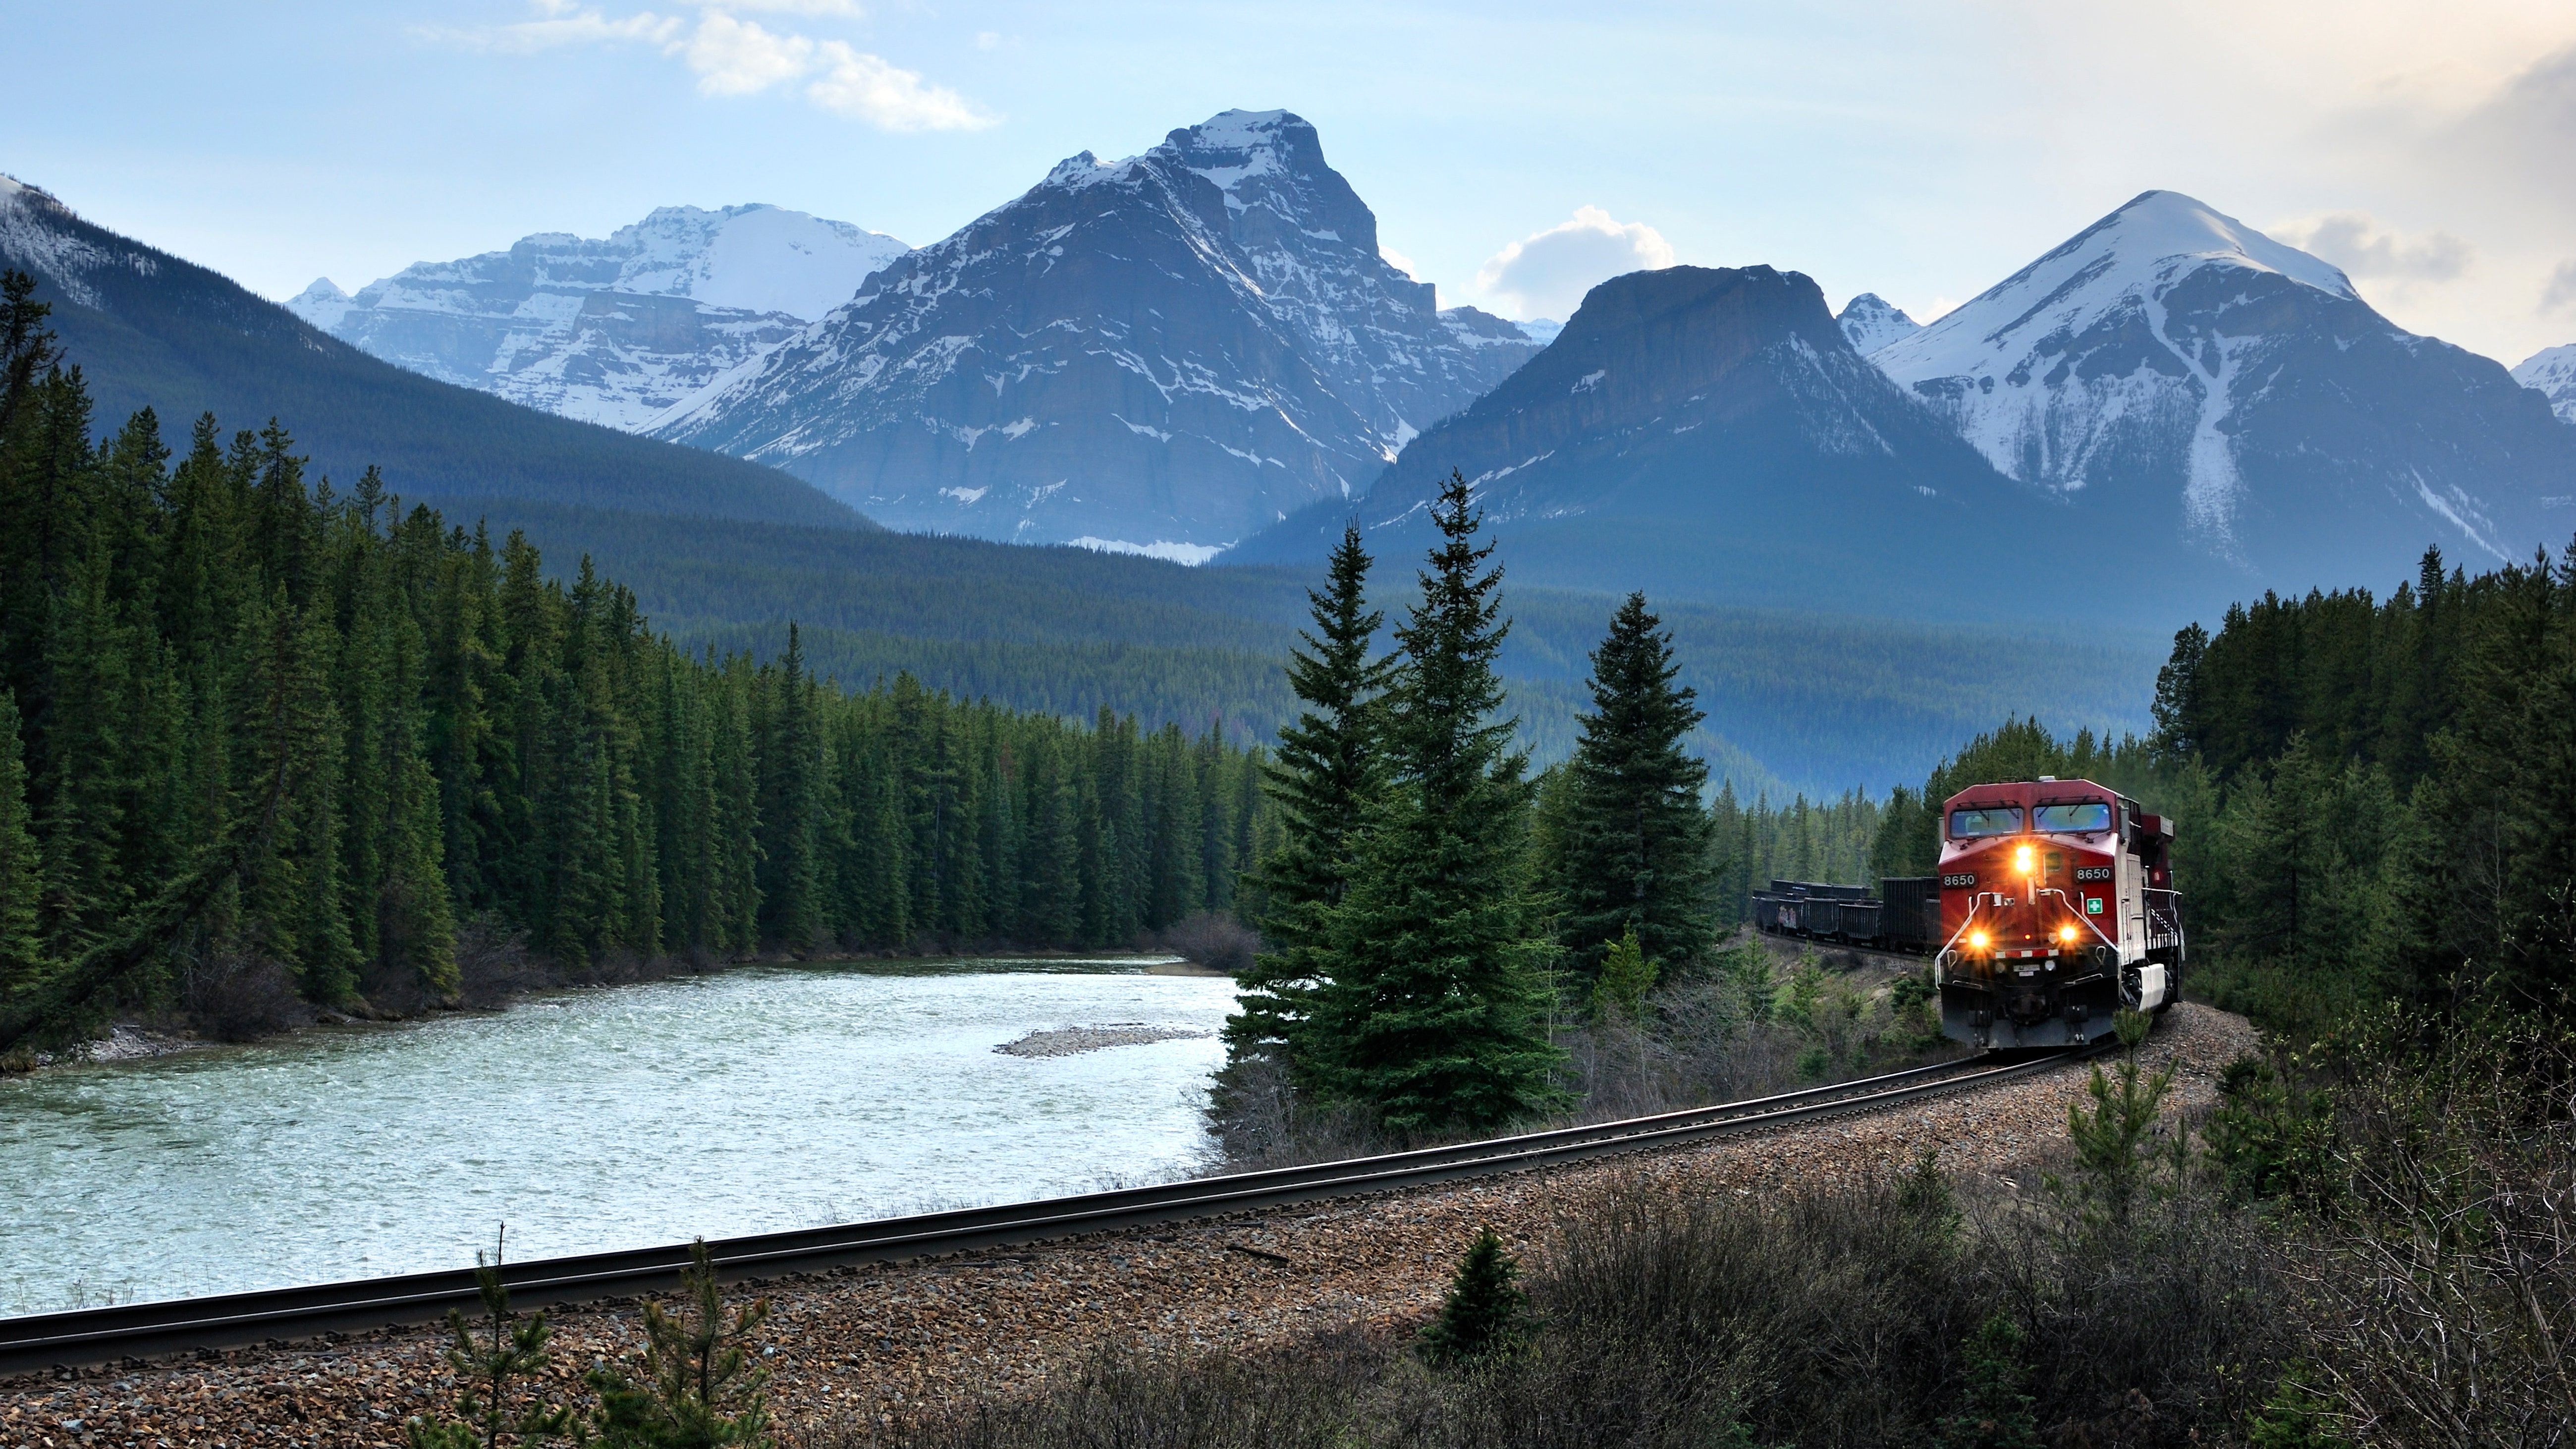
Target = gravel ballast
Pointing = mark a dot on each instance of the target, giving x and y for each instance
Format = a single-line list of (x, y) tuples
[(876, 1341), (1065, 1041)]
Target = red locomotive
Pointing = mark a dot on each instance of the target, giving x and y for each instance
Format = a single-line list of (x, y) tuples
[(2057, 909)]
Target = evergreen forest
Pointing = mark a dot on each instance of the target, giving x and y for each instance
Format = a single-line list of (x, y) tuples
[(261, 734)]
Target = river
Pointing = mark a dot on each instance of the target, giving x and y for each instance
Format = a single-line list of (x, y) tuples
[(756, 1099)]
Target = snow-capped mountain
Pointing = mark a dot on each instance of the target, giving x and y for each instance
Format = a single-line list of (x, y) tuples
[(1871, 322), (1710, 434), (1161, 353), (611, 331), (149, 329), (2171, 372), (2552, 372)]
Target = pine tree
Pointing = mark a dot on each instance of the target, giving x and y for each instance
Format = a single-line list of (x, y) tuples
[(1434, 1012), (1997, 1413), (1635, 854), (1485, 1312), (1627, 974), (1327, 769), (701, 1387)]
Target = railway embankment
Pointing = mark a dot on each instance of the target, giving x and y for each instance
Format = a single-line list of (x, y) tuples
[(891, 1339)]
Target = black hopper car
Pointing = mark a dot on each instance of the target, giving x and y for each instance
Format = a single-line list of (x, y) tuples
[(1904, 917)]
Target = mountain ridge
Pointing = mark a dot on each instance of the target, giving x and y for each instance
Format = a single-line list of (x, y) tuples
[(150, 329), (2174, 374)]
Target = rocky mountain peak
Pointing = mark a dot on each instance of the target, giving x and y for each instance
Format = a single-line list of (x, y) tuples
[(1164, 352), (1870, 322), (2179, 375)]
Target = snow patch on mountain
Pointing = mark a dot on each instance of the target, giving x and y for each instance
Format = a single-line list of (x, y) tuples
[(321, 305), (2552, 372), (1188, 555), (1870, 322), (32, 230)]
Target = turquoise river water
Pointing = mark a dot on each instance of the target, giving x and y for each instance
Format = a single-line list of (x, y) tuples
[(757, 1099)]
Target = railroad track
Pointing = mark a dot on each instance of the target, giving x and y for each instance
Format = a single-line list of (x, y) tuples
[(147, 1330)]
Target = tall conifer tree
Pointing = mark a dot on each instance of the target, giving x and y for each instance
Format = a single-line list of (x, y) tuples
[(1433, 1016), (1635, 846), (1326, 771)]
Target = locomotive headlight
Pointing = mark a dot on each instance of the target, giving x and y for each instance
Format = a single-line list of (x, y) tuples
[(1977, 940), (2022, 859), (2066, 934)]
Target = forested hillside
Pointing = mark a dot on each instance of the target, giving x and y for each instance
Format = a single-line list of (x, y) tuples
[(263, 735), (1810, 701)]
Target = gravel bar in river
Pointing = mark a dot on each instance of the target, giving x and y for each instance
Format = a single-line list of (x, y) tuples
[(880, 1340)]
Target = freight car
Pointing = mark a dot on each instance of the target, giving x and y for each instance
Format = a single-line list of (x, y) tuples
[(1908, 918), (2058, 908)]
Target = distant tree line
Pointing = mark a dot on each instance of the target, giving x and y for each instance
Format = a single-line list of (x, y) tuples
[(251, 723)]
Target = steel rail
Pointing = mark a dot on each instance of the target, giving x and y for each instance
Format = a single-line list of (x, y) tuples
[(38, 1342)]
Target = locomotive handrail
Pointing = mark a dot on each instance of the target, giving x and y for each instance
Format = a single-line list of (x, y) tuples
[(2079, 915)]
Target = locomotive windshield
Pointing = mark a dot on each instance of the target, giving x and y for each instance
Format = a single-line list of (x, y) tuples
[(2082, 815), (1984, 820)]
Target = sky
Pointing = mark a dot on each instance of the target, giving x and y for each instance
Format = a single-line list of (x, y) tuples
[(1514, 153)]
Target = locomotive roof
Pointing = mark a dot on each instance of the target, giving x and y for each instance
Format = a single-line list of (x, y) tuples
[(2027, 793), (2035, 792)]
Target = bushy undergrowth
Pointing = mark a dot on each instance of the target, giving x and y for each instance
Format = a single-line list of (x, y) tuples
[(1907, 1311)]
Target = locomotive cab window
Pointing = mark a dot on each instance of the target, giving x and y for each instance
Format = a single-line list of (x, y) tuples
[(1984, 820), (2081, 815)]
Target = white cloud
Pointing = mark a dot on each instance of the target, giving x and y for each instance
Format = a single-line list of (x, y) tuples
[(735, 57), (738, 58), (864, 86), (2560, 294), (842, 9), (563, 25), (1547, 273), (987, 39), (1399, 261), (2355, 242)]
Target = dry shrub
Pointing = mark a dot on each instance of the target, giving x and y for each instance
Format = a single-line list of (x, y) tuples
[(240, 996), (1678, 1314), (1301, 1398), (2443, 1266), (1210, 938), (1260, 1120), (493, 964)]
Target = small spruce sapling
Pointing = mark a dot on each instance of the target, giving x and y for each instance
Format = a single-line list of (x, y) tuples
[(1998, 1411), (1486, 1313), (701, 1389), (2110, 1136), (508, 1351), (1626, 977)]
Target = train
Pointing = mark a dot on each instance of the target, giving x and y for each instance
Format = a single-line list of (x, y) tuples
[(2055, 907)]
